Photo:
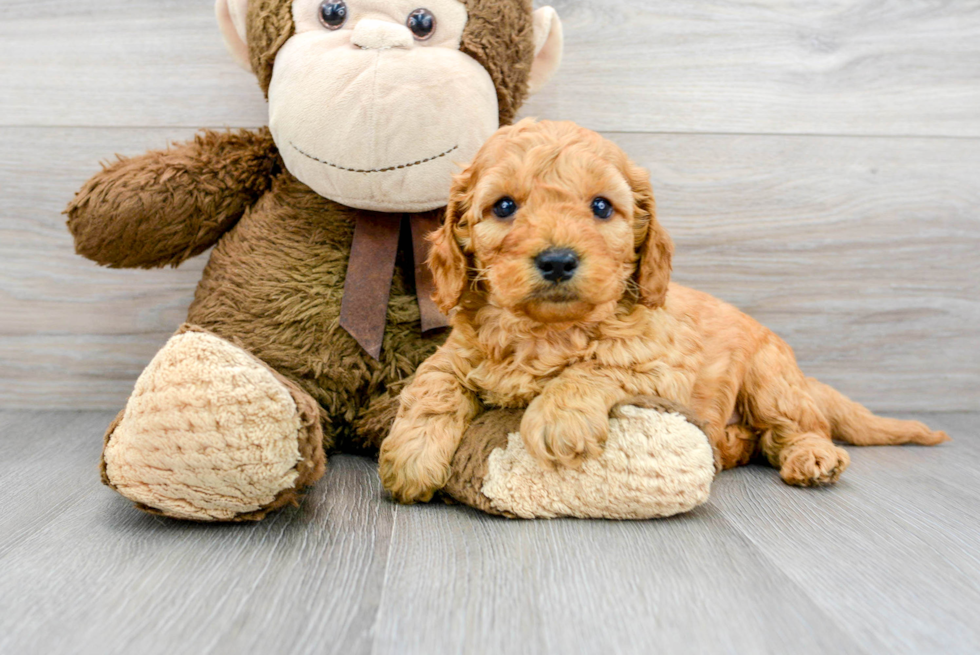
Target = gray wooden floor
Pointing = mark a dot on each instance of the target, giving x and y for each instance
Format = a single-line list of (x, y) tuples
[(886, 562)]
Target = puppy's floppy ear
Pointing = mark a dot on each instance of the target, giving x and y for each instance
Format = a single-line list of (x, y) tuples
[(446, 258), (655, 251)]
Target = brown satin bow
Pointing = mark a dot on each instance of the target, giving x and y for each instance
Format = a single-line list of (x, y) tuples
[(364, 310)]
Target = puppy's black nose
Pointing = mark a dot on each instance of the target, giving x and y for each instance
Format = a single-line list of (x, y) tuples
[(557, 264)]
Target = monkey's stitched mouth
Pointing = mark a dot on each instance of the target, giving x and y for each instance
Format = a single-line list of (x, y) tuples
[(374, 170)]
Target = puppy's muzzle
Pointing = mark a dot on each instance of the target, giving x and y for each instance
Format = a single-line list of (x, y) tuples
[(557, 265)]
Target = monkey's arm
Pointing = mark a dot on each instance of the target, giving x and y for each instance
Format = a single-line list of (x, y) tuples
[(167, 206)]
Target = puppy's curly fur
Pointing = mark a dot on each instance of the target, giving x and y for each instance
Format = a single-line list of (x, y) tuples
[(570, 350)]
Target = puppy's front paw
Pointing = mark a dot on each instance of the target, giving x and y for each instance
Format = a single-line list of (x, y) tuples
[(412, 469), (568, 437)]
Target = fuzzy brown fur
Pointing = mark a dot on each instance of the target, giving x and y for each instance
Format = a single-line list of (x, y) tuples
[(276, 282), (170, 205), (269, 25), (570, 352), (500, 36), (275, 279)]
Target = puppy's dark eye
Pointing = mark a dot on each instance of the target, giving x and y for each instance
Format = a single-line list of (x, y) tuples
[(333, 14), (602, 208), (422, 23), (506, 207)]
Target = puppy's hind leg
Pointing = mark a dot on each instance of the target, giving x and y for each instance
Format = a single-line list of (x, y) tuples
[(732, 441), (735, 446), (796, 436)]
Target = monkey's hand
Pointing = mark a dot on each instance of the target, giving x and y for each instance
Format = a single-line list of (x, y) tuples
[(167, 206)]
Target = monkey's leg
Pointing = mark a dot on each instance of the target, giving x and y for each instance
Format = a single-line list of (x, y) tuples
[(656, 463), (211, 433)]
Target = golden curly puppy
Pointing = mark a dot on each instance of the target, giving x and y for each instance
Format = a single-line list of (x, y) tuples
[(557, 276)]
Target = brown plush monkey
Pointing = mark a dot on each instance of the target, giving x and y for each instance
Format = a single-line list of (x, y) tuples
[(372, 105), (306, 323)]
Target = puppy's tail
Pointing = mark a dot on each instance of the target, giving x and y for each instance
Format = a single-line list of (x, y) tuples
[(852, 423)]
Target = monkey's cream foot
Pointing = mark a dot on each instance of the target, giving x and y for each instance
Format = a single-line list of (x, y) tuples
[(655, 464), (213, 434)]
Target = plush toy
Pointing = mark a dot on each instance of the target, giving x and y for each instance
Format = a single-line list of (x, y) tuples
[(656, 463), (315, 307)]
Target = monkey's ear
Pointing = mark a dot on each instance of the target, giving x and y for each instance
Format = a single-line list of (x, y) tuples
[(232, 19), (549, 43), (446, 258)]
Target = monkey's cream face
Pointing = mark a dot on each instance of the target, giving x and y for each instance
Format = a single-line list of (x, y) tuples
[(373, 105)]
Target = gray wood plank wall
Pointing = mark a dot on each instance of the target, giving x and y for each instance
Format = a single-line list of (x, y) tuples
[(817, 163)]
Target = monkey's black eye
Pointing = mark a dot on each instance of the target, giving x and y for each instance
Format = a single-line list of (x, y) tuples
[(422, 23), (602, 208), (505, 207), (333, 14)]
